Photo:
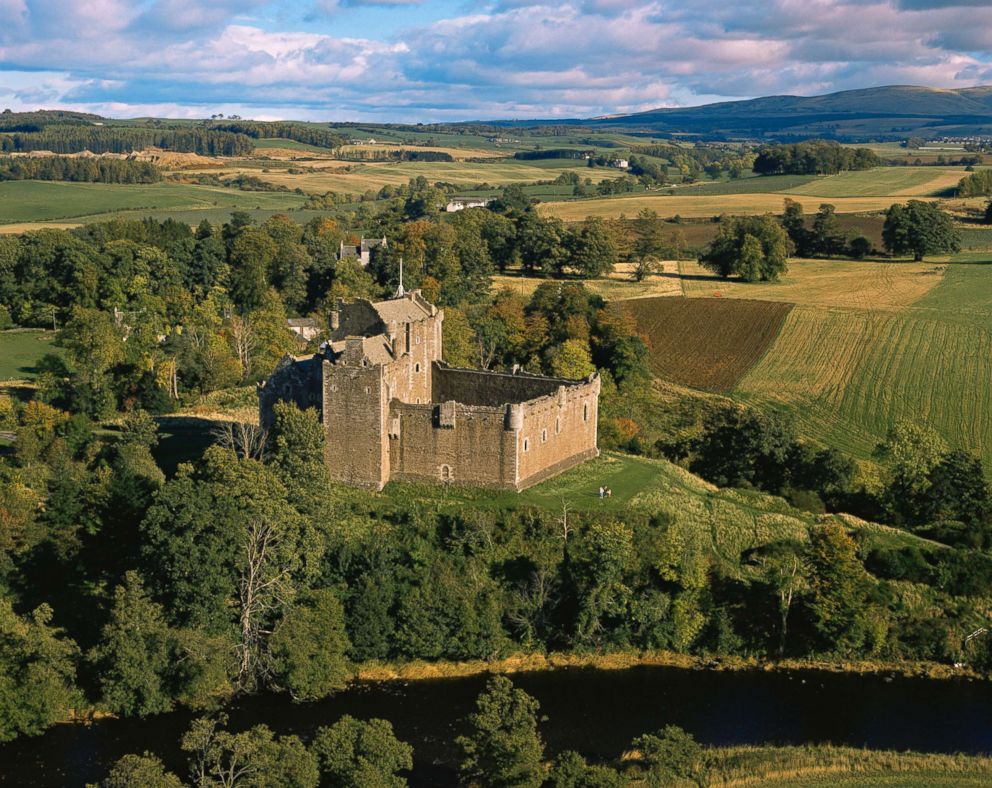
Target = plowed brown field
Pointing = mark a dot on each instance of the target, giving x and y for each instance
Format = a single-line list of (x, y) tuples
[(706, 343)]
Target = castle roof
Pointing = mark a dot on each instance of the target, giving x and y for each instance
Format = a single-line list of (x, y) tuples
[(401, 310), (376, 349)]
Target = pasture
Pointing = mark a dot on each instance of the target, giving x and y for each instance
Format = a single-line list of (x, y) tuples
[(883, 182), (21, 350), (685, 205), (37, 201), (706, 343)]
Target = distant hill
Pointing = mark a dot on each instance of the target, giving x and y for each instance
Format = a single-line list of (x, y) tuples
[(885, 113)]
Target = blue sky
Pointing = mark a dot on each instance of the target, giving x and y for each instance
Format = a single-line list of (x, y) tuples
[(423, 60)]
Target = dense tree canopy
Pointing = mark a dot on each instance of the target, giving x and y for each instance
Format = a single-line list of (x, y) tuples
[(755, 248), (919, 228)]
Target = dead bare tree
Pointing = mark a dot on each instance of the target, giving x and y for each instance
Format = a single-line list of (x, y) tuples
[(264, 587), (566, 526), (248, 441), (244, 340), (529, 604)]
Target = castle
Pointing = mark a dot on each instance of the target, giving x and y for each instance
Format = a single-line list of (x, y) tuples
[(391, 409)]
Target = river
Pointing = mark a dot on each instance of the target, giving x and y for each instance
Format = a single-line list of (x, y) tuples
[(593, 711)]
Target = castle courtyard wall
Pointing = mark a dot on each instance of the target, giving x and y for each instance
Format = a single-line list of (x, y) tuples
[(451, 442), (558, 432), (479, 387)]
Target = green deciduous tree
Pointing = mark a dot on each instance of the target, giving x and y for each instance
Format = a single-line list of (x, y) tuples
[(752, 247), (140, 771), (37, 672), (309, 646), (919, 228), (361, 754), (672, 754), (135, 653), (503, 748), (255, 758)]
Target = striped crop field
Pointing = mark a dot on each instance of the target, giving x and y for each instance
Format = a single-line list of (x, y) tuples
[(849, 374), (706, 343), (826, 283), (883, 182)]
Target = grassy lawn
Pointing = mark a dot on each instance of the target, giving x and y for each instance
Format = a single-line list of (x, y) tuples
[(20, 351)]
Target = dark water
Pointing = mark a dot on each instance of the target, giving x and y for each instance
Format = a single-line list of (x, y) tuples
[(595, 712)]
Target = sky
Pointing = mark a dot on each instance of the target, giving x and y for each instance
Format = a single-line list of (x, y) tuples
[(442, 60)]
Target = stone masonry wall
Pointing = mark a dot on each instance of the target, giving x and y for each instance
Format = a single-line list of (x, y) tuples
[(354, 415), (476, 387), (452, 442), (408, 378), (558, 431)]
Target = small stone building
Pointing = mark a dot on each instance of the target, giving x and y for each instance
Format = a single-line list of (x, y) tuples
[(391, 409), (362, 252)]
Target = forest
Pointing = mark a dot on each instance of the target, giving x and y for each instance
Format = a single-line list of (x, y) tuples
[(90, 170), (817, 157)]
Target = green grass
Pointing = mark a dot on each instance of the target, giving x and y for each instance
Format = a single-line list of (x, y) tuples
[(21, 350), (749, 185), (32, 201)]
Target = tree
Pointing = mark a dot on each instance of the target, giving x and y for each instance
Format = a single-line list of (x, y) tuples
[(763, 257), (572, 361), (309, 646), (920, 228), (672, 754), (140, 771), (648, 244), (135, 654), (827, 236), (37, 672), (593, 250), (794, 222), (254, 757), (838, 588), (296, 450), (784, 568), (361, 754), (988, 213), (503, 748)]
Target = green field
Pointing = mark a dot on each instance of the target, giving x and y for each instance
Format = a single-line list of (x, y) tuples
[(882, 181), (33, 201), (848, 374), (21, 350)]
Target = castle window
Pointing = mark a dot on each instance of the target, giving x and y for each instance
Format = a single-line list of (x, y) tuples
[(368, 389), (526, 444), (557, 426), (446, 473), (416, 368), (544, 436), (418, 339), (585, 412)]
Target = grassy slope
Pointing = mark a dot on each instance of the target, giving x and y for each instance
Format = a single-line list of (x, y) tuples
[(826, 765), (882, 181), (722, 522)]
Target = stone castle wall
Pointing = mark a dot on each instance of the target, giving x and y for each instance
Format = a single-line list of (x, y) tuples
[(357, 447), (478, 387), (451, 442), (558, 431)]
